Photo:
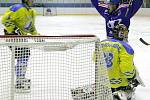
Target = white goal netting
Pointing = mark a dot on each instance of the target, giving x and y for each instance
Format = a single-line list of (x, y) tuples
[(52, 68)]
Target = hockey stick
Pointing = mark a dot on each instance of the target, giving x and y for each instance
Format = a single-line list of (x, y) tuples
[(144, 42), (130, 3), (141, 39)]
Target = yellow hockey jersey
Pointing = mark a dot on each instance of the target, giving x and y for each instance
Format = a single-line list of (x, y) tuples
[(21, 17), (119, 61)]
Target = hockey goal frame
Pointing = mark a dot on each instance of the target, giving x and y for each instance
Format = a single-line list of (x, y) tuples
[(62, 46)]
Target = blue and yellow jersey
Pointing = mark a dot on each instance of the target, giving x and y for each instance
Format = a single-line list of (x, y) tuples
[(21, 17), (119, 60)]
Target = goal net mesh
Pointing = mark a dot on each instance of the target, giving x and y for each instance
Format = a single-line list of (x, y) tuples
[(53, 68)]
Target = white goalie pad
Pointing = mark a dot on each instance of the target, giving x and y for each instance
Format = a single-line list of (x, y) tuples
[(84, 93), (91, 92), (124, 95)]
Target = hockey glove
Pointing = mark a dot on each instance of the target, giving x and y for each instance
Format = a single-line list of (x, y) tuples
[(133, 82), (15, 32)]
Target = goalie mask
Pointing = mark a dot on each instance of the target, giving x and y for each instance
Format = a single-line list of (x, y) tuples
[(28, 2), (120, 31)]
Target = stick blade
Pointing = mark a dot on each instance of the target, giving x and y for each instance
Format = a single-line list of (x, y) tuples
[(144, 42)]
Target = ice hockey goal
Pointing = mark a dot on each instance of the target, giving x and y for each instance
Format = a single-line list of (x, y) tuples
[(52, 68), (49, 11)]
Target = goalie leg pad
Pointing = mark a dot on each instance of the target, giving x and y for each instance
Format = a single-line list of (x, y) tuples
[(21, 67), (83, 93), (128, 94), (21, 71), (120, 95)]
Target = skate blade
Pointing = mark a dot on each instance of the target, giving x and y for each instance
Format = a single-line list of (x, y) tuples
[(22, 90)]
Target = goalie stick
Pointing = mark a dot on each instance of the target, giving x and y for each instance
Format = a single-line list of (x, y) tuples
[(144, 42)]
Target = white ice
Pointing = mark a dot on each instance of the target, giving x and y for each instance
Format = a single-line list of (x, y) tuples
[(140, 26)]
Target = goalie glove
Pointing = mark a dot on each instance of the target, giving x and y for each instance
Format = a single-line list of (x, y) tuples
[(133, 82), (136, 80)]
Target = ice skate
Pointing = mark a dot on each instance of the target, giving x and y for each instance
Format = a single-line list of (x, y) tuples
[(120, 95), (23, 85)]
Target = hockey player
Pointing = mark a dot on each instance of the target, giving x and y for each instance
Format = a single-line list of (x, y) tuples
[(115, 12), (19, 19), (122, 72)]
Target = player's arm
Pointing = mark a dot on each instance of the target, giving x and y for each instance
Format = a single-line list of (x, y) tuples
[(101, 7), (33, 28), (134, 7), (126, 61), (8, 21)]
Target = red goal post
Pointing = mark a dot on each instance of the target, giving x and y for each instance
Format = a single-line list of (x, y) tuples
[(59, 68)]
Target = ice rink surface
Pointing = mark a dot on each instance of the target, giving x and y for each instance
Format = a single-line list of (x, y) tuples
[(140, 27)]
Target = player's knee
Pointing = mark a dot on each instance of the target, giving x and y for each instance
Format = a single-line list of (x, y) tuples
[(22, 53)]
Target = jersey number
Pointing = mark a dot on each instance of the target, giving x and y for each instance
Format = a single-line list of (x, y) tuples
[(108, 58)]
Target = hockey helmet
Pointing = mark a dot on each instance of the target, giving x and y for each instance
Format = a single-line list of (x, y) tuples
[(28, 2), (120, 31), (114, 1)]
